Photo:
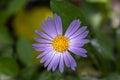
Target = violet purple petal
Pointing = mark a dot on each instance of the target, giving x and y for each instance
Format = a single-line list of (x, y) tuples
[(75, 28), (78, 43), (66, 60), (58, 24), (71, 27), (78, 32), (78, 51), (43, 35), (41, 45), (51, 65), (42, 40), (57, 59), (41, 48), (46, 57), (44, 53), (72, 61), (49, 60), (61, 65), (50, 28), (81, 36)]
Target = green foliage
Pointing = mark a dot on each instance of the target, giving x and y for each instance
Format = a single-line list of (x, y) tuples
[(67, 11), (15, 5), (112, 76), (118, 39), (103, 45), (25, 51), (104, 51), (87, 78), (9, 66), (98, 1), (28, 71), (55, 76), (4, 35), (118, 49), (8, 52), (12, 7), (49, 76), (96, 12)]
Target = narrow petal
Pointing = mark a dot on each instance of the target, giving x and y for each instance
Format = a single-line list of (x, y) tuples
[(43, 35), (79, 39), (61, 65), (78, 51), (44, 53), (73, 63), (41, 48), (42, 40), (50, 28), (75, 28), (47, 56), (57, 59), (78, 32), (74, 44), (81, 36), (51, 65), (78, 43), (41, 45), (49, 59), (71, 27), (67, 62), (58, 24), (46, 30)]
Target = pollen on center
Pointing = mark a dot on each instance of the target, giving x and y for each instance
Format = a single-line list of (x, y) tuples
[(60, 43)]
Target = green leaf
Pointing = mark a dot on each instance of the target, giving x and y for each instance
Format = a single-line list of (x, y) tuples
[(8, 66), (7, 52), (118, 49), (96, 13), (67, 11), (118, 39), (25, 51), (104, 51), (56, 75), (97, 1), (28, 71), (112, 76), (12, 8), (87, 78), (15, 5), (4, 17), (92, 56), (50, 75), (104, 45), (5, 38)]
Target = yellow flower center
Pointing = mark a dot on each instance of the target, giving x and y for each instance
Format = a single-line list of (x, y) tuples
[(60, 43)]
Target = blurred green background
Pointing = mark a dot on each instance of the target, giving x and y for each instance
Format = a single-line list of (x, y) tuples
[(19, 19)]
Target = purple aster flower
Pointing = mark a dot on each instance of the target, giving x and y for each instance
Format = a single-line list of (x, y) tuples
[(56, 48)]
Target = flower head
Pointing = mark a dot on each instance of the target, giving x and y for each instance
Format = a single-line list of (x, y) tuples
[(56, 48)]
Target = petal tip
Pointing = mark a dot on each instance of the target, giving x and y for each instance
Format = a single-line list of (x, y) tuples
[(85, 55), (73, 68)]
